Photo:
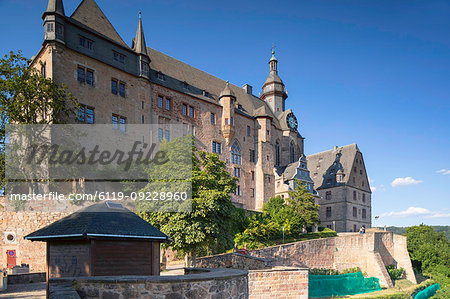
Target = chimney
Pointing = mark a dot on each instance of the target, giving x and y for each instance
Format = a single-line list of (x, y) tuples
[(248, 88)]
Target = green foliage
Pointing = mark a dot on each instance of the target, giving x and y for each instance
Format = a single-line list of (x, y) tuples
[(294, 214), (430, 254), (26, 97), (208, 227), (427, 248), (324, 271), (394, 273)]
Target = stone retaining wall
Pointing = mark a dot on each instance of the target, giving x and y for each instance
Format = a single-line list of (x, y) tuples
[(232, 260), (27, 278), (199, 283), (279, 282)]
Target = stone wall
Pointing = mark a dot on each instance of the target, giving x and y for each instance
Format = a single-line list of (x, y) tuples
[(283, 282), (231, 260), (21, 224), (27, 278), (313, 254), (371, 252), (205, 283)]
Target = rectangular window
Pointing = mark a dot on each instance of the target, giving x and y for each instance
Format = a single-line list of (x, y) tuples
[(123, 123), (167, 135), (253, 175), (231, 121), (217, 147), (252, 156), (355, 212), (237, 172), (143, 119), (114, 86), (86, 43), (226, 121), (142, 105), (86, 114), (160, 134), (238, 190), (115, 121), (81, 74), (364, 197), (122, 89), (119, 57), (185, 108), (50, 27), (44, 69), (191, 111), (328, 195), (364, 213), (354, 195), (248, 131), (252, 192), (328, 212), (329, 226), (167, 104), (90, 77), (213, 118), (160, 101), (90, 115)]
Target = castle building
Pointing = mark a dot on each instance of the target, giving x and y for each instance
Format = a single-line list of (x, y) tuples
[(120, 84), (341, 180)]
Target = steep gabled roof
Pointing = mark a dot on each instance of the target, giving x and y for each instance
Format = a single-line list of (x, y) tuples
[(103, 220), (200, 79), (89, 14), (324, 166)]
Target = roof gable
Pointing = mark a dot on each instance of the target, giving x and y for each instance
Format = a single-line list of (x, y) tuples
[(99, 221), (89, 14), (324, 166)]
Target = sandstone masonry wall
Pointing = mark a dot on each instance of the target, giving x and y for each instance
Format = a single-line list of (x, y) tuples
[(232, 260), (213, 283), (286, 283)]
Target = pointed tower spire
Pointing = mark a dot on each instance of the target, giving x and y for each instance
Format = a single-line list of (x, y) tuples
[(54, 6), (139, 42), (273, 62)]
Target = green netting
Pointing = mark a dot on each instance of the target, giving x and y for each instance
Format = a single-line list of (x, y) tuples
[(341, 285), (428, 292)]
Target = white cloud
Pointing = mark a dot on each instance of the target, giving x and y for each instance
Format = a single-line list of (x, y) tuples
[(371, 181), (373, 189), (405, 181), (443, 171), (416, 211)]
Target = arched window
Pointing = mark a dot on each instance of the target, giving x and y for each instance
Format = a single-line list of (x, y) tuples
[(236, 154), (292, 152), (277, 153)]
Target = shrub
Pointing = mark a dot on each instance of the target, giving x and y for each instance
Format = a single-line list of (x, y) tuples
[(394, 273)]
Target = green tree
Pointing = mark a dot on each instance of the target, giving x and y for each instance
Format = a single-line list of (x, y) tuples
[(208, 227), (303, 204), (26, 97)]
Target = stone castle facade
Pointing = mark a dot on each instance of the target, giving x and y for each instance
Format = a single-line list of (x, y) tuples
[(119, 84)]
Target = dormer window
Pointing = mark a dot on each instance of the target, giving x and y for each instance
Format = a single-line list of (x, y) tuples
[(186, 85), (86, 43), (205, 93), (160, 76), (119, 57)]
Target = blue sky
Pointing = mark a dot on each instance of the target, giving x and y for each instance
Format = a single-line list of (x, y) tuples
[(375, 73)]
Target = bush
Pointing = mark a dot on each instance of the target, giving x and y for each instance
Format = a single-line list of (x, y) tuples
[(324, 271), (394, 273)]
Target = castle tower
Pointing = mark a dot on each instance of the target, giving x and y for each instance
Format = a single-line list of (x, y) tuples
[(54, 20), (140, 48), (227, 99), (273, 90)]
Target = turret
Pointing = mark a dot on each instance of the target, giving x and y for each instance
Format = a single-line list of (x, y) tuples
[(140, 48), (227, 99), (274, 91), (54, 21)]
